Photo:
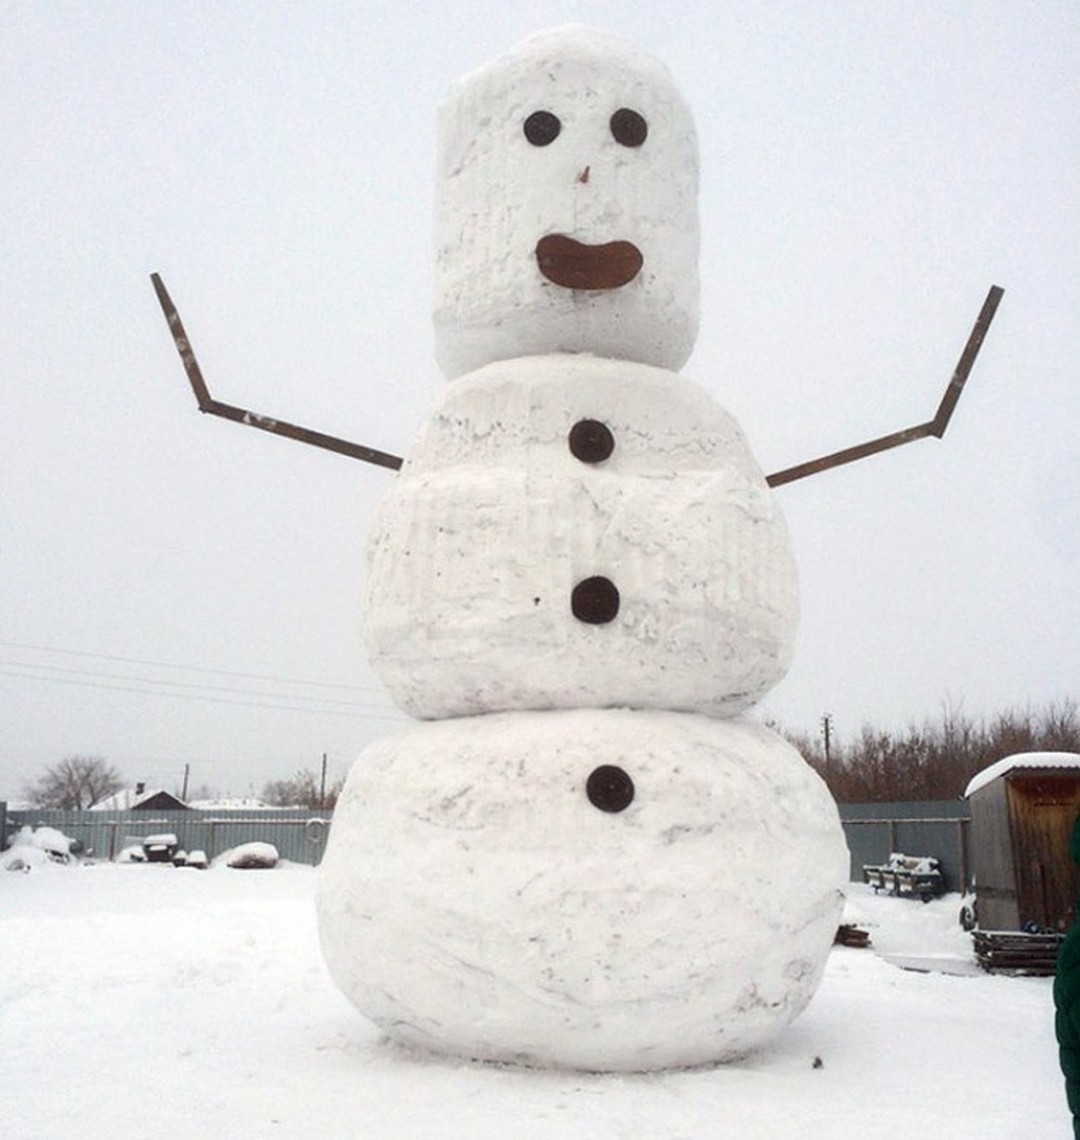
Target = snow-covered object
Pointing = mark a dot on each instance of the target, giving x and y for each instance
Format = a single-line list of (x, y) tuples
[(917, 864), (1021, 760), (56, 845), (33, 847), (501, 513), (473, 899), (161, 848), (578, 140), (165, 839), (250, 856)]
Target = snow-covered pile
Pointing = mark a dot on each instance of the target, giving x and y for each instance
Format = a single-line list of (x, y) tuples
[(31, 847), (250, 856)]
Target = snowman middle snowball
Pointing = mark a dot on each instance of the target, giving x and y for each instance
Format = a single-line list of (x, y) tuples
[(512, 568), (581, 564)]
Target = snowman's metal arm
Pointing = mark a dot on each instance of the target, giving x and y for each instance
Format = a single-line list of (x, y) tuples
[(241, 415), (935, 427)]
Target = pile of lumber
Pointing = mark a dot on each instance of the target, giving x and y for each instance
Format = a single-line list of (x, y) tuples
[(1017, 952)]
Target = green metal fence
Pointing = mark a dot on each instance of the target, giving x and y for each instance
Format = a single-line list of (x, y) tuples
[(938, 828), (299, 834), (873, 831)]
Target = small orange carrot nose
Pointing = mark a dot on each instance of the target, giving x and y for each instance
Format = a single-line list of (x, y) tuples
[(584, 175)]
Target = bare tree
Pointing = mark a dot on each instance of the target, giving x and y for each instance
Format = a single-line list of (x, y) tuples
[(75, 783), (936, 761), (301, 791)]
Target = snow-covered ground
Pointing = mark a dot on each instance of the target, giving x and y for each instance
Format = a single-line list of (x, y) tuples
[(148, 1001)]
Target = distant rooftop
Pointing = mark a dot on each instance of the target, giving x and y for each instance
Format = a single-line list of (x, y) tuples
[(127, 799)]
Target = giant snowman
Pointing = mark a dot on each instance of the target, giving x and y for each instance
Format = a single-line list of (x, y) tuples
[(581, 856)]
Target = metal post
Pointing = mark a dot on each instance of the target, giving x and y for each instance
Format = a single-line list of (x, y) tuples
[(826, 725)]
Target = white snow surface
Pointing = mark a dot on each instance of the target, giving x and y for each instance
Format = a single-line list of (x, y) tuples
[(1021, 760), (150, 1001)]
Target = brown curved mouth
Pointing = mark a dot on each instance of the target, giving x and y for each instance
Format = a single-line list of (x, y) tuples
[(575, 265)]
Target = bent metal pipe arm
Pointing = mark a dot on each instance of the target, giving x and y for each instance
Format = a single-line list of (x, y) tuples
[(934, 427), (253, 419)]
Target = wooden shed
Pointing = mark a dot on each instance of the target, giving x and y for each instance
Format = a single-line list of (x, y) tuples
[(1022, 813)]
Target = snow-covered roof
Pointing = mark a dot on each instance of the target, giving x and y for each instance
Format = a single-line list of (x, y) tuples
[(1022, 760), (123, 800), (128, 798)]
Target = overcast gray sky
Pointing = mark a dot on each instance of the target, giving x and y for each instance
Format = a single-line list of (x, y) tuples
[(178, 590)]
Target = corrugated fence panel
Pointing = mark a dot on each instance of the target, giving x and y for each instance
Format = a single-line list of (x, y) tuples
[(938, 828), (298, 834), (873, 832)]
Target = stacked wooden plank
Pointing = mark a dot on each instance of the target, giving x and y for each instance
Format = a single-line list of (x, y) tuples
[(1017, 952)]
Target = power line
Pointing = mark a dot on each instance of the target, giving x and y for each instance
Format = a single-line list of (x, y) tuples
[(357, 712), (82, 673), (185, 668)]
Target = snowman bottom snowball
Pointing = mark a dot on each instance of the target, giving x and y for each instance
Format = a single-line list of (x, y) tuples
[(607, 890)]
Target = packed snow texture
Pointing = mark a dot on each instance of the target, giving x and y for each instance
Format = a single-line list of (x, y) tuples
[(472, 898), (150, 1001), (475, 551), (498, 195)]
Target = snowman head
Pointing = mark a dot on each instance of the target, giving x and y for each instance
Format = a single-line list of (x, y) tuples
[(566, 211)]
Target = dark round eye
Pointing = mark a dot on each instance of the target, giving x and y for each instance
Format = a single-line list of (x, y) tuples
[(541, 128), (628, 127), (609, 788)]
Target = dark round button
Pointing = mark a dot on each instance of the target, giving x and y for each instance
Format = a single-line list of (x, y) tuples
[(595, 600), (609, 788), (591, 441)]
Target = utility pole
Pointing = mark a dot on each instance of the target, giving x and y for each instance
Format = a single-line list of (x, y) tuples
[(826, 732), (187, 772), (322, 784)]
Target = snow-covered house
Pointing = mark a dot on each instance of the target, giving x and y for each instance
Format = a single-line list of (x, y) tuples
[(140, 798)]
